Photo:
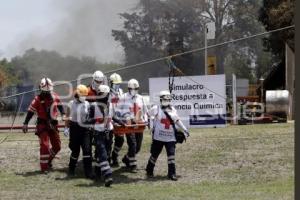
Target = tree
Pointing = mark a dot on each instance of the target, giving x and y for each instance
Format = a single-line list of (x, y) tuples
[(276, 14), (159, 28)]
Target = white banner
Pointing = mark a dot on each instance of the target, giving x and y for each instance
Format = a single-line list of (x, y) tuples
[(199, 100)]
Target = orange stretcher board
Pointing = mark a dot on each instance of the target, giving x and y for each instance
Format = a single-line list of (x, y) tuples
[(136, 128)]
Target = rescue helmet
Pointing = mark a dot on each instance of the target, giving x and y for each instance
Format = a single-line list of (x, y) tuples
[(81, 90), (115, 78), (46, 85), (98, 79), (165, 97), (133, 84), (103, 89)]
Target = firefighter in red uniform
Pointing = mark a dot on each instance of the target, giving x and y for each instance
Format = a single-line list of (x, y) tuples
[(46, 106)]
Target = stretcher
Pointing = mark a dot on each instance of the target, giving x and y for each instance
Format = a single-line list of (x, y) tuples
[(134, 128)]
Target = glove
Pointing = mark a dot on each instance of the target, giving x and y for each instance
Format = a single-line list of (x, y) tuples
[(25, 128), (66, 132)]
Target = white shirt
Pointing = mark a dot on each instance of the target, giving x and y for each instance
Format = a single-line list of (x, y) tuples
[(131, 107), (78, 111), (161, 125), (101, 126), (114, 98)]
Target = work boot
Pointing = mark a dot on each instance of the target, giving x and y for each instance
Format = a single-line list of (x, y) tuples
[(50, 165), (108, 181), (125, 160), (149, 173), (133, 169), (114, 158), (173, 177)]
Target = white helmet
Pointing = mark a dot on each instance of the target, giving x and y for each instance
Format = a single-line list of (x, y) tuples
[(115, 78), (98, 79), (46, 85), (165, 97), (133, 84), (103, 89)]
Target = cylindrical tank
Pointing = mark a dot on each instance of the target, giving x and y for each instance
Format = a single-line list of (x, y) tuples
[(277, 102)]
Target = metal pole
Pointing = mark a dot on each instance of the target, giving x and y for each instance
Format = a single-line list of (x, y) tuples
[(205, 51)]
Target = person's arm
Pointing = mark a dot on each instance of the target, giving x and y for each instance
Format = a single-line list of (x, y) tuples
[(179, 123), (67, 115), (31, 110)]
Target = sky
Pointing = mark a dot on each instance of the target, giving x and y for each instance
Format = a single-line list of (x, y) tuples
[(71, 27)]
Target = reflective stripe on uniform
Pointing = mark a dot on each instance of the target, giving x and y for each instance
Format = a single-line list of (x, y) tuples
[(105, 168), (103, 163), (131, 158), (44, 161), (133, 163), (73, 158), (86, 156), (97, 165), (171, 157), (45, 156), (152, 160), (171, 162)]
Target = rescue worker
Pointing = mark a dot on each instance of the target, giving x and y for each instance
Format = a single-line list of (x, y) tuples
[(46, 106), (164, 118), (98, 79), (76, 129), (99, 117), (133, 105), (115, 94)]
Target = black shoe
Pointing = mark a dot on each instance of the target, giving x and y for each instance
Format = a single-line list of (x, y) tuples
[(173, 177), (115, 163), (50, 166), (125, 161), (108, 181), (149, 174), (133, 169)]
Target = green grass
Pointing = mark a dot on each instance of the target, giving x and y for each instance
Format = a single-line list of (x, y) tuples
[(237, 162)]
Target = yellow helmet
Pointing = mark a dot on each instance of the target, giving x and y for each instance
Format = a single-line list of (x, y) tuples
[(81, 90), (115, 78)]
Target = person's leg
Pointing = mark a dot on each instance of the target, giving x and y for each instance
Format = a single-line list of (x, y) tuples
[(129, 159), (44, 150), (55, 144), (119, 141), (74, 145), (139, 140), (86, 153), (108, 145), (156, 148), (104, 165), (170, 148)]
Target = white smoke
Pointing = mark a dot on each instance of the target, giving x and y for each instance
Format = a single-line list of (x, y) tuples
[(83, 28)]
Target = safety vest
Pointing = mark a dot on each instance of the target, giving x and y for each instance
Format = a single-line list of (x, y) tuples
[(162, 127), (132, 107)]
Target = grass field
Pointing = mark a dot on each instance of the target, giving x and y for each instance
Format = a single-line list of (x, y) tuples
[(237, 162)]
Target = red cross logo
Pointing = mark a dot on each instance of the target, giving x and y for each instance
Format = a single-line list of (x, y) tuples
[(115, 100), (135, 109), (166, 122)]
